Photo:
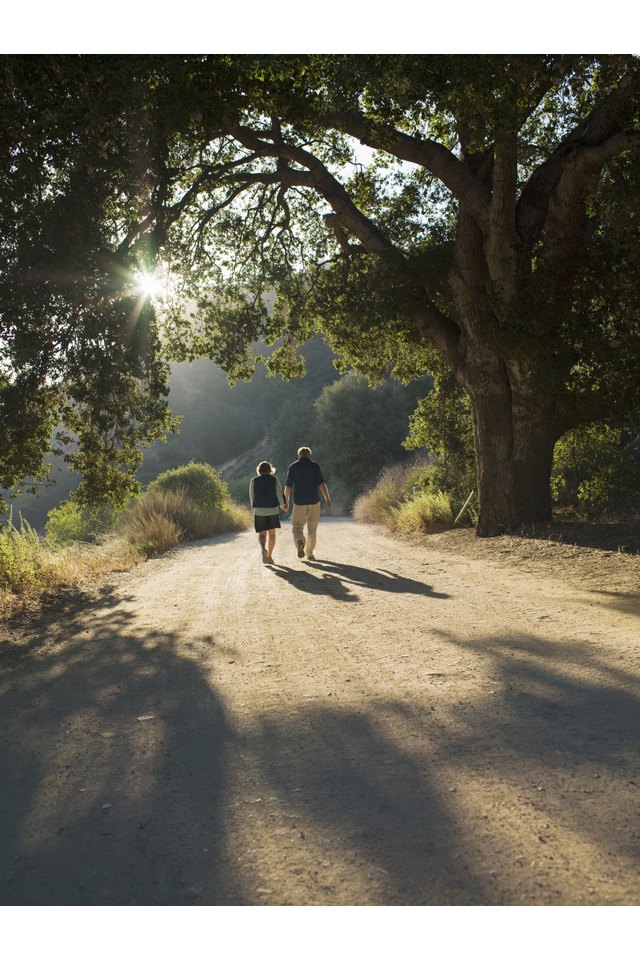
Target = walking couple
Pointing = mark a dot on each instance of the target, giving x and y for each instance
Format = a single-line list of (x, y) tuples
[(306, 483)]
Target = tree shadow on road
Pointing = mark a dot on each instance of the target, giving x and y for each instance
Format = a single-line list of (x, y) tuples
[(135, 818), (626, 602), (139, 817), (561, 746), (569, 710), (366, 801)]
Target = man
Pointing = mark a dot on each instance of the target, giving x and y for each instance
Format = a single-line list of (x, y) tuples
[(305, 479)]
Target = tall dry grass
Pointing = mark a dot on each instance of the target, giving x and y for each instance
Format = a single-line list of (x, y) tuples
[(426, 511), (162, 518), (399, 503), (32, 567), (376, 505)]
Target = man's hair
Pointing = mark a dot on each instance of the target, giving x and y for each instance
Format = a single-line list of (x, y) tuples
[(304, 452), (265, 467)]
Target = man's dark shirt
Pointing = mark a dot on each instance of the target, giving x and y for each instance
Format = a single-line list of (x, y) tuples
[(305, 477)]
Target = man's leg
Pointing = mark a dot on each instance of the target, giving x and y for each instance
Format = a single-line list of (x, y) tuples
[(313, 519), (298, 518)]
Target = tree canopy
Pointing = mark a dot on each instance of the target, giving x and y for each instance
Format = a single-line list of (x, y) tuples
[(471, 216)]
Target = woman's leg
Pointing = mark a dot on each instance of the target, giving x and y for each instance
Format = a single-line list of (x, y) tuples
[(262, 540), (272, 543)]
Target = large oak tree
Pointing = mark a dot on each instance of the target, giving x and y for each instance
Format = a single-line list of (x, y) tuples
[(471, 214)]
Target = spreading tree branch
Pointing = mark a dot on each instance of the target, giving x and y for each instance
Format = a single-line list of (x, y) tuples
[(442, 163), (600, 131)]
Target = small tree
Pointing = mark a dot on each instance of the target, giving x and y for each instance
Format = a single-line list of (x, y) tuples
[(442, 423), (359, 430)]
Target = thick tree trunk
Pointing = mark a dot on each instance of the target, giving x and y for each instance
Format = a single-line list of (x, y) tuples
[(514, 452), (530, 490)]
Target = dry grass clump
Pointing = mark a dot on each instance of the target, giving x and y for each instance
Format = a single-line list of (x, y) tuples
[(162, 518), (427, 511), (376, 505), (398, 502)]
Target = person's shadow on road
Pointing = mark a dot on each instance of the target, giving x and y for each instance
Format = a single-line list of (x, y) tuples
[(377, 579), (328, 584), (336, 576)]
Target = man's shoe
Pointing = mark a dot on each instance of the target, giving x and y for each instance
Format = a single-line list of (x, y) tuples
[(269, 560), (311, 557), (301, 548)]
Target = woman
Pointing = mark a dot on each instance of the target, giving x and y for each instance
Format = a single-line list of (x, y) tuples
[(266, 498)]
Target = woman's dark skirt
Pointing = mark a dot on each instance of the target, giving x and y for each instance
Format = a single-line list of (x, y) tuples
[(266, 523)]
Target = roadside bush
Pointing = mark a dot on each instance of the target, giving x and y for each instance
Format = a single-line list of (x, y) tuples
[(403, 501), (149, 526), (393, 486), (596, 470), (30, 567), (72, 521), (200, 482), (427, 511), (161, 519)]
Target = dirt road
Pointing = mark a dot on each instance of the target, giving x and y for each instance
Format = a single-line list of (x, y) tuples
[(396, 723)]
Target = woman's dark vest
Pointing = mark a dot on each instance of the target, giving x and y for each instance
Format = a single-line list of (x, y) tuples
[(264, 491)]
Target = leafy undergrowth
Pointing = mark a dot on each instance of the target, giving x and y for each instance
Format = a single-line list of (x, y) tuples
[(32, 567)]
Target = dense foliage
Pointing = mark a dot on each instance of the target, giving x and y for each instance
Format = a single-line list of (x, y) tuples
[(596, 470), (358, 431), (476, 212)]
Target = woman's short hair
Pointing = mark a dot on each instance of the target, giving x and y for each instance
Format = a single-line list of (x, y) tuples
[(304, 452), (265, 467)]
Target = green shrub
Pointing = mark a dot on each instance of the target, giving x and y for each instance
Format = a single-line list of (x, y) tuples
[(72, 521), (596, 468), (202, 484), (443, 424), (30, 567)]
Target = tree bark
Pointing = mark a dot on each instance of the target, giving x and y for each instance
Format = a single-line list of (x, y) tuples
[(514, 443)]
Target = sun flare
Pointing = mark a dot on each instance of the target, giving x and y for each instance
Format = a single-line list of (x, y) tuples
[(150, 285)]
